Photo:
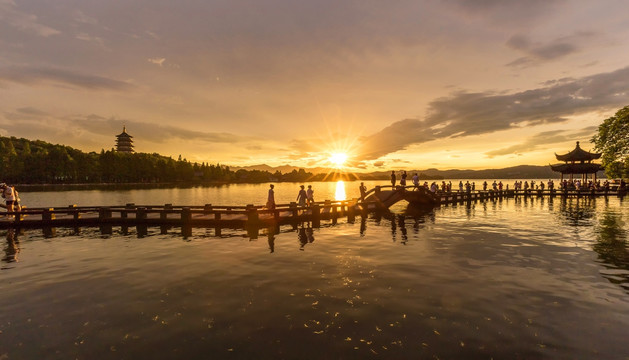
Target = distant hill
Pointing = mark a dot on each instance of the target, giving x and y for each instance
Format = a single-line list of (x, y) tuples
[(513, 172)]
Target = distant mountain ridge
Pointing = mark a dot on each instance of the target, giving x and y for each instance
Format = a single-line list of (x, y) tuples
[(512, 172)]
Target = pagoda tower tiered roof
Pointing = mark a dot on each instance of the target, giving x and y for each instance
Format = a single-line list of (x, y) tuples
[(124, 142)]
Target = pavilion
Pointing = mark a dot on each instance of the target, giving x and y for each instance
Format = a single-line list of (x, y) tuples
[(578, 161), (123, 142)]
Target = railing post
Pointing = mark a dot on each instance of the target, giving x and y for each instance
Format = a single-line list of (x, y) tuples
[(293, 208), (252, 215), (217, 223), (186, 219), (316, 216), (252, 221), (104, 220), (140, 218), (47, 218), (351, 216)]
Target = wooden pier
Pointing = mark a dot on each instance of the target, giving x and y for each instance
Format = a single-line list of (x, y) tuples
[(253, 217)]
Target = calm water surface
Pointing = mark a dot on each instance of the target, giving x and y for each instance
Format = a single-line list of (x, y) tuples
[(511, 279)]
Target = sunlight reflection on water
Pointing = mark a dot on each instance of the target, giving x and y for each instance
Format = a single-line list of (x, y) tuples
[(339, 194)]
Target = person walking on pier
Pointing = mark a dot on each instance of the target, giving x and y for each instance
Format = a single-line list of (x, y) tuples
[(310, 195), (403, 179), (393, 179), (270, 202), (485, 186), (302, 196)]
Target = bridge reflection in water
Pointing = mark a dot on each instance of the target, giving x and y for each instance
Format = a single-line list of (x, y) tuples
[(611, 243)]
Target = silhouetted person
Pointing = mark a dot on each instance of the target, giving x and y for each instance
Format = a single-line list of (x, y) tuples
[(270, 202), (310, 195), (302, 196), (393, 179), (403, 179), (363, 191)]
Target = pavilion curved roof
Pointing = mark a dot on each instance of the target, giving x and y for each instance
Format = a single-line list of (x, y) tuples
[(578, 154), (578, 168)]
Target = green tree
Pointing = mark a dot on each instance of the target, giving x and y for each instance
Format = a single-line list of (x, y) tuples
[(613, 141)]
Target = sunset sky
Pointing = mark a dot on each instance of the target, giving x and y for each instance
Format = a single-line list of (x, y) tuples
[(392, 84)]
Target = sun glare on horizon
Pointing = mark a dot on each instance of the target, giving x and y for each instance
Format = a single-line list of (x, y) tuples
[(338, 159)]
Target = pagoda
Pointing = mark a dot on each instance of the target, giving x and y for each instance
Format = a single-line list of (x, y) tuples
[(123, 142), (578, 161)]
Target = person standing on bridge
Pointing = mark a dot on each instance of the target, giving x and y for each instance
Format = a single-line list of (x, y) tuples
[(403, 179), (270, 202), (302, 196), (416, 181), (363, 191), (310, 195), (393, 179)]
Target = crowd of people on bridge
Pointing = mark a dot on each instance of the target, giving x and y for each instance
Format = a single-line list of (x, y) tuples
[(306, 197)]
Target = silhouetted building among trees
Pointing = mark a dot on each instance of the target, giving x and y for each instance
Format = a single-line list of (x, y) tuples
[(578, 161), (123, 141)]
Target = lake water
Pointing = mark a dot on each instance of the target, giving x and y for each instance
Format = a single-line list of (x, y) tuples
[(510, 279)]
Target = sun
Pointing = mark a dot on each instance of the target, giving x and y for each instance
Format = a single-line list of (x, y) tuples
[(338, 159)]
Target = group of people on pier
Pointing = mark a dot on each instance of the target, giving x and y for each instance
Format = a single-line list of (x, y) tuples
[(304, 197), (590, 185), (403, 176)]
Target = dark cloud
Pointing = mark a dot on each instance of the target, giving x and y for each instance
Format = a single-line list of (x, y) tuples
[(537, 53), (91, 129), (505, 12), (56, 76), (545, 138), (394, 137), (149, 132), (465, 114)]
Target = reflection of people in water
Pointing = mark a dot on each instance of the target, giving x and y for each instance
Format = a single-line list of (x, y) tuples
[(270, 233), (309, 235), (402, 226), (363, 226), (13, 247), (302, 237)]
